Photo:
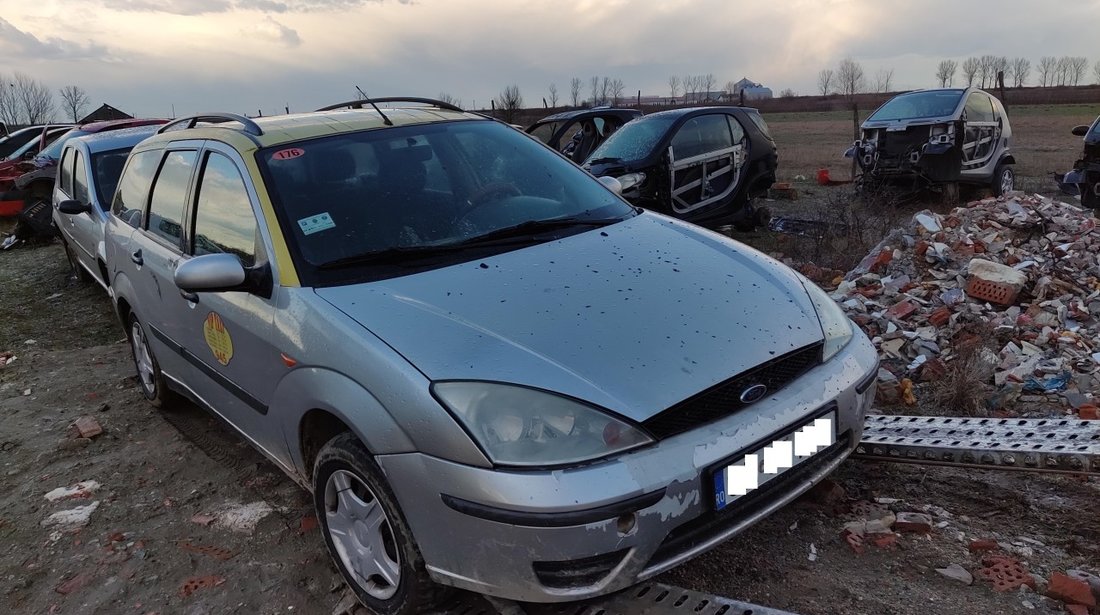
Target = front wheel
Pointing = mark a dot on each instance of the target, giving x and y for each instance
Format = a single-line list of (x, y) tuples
[(1004, 180), (1090, 195), (367, 537)]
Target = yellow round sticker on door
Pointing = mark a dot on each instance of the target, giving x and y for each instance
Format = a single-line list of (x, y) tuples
[(217, 338)]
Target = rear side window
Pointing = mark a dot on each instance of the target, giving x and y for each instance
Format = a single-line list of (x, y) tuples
[(761, 125), (701, 135), (133, 187), (67, 172), (80, 179), (169, 196), (224, 221), (979, 108)]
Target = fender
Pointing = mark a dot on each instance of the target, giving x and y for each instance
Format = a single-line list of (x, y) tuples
[(316, 388), (1007, 159), (123, 289)]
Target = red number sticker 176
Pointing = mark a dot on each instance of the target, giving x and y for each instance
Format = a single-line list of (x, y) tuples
[(287, 154)]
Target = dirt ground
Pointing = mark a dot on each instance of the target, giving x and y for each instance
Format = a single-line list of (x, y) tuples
[(189, 519)]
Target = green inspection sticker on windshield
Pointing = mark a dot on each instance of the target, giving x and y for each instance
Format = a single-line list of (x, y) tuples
[(317, 223)]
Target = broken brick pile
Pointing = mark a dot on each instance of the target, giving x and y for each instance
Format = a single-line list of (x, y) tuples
[(1017, 278)]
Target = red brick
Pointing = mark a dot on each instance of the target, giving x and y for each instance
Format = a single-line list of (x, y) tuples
[(916, 523), (882, 260), (88, 427), (1088, 412), (901, 310), (886, 542), (855, 542), (1077, 609), (933, 369), (982, 545), (1005, 573), (1070, 590), (921, 247), (82, 579), (307, 524), (939, 317)]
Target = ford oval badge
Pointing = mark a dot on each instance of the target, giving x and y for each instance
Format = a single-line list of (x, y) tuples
[(753, 393)]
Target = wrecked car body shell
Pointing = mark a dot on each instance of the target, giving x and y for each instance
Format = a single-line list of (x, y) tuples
[(966, 140), (703, 165), (1084, 178), (576, 133)]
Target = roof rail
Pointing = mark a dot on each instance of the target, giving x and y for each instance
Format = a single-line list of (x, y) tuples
[(250, 127), (358, 104)]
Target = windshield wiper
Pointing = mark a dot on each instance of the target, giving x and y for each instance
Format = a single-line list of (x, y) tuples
[(605, 159), (524, 230)]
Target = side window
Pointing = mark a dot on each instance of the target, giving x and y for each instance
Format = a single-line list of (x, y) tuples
[(737, 129), (224, 221), (979, 108), (687, 142), (80, 179), (67, 172), (169, 195), (133, 187), (715, 133)]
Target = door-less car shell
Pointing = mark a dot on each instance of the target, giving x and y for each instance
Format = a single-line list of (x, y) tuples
[(492, 372)]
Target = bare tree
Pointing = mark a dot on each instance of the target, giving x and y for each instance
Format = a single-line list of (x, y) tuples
[(970, 68), (616, 91), (689, 87), (850, 77), (575, 91), (553, 95), (34, 99), (594, 83), (707, 82), (1048, 68), (1000, 66), (825, 81), (1020, 68), (447, 98), (1061, 69), (74, 100), (673, 86), (788, 93), (730, 90), (509, 102), (987, 69), (1096, 72), (9, 108), (945, 73), (1077, 67), (883, 79)]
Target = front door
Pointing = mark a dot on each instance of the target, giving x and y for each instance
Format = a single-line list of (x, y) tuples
[(705, 161), (982, 131)]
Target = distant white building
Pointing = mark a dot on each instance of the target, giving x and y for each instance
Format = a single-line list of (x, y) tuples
[(751, 89)]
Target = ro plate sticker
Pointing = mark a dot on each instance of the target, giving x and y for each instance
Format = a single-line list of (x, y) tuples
[(217, 338), (316, 224), (287, 154)]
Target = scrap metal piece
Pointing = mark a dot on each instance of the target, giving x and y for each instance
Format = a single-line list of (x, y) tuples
[(1036, 445)]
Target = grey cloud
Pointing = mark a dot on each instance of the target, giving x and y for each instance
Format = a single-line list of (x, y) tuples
[(274, 31), (175, 7), (25, 44)]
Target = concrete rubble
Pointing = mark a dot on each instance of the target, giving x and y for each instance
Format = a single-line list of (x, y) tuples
[(1016, 278)]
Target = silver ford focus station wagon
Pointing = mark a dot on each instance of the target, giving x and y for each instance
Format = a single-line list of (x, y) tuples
[(491, 371)]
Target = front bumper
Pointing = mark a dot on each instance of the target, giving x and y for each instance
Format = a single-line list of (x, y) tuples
[(571, 534)]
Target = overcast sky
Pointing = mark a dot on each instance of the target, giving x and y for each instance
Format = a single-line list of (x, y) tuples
[(144, 56)]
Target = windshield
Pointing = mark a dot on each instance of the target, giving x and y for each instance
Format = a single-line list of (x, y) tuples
[(634, 141), (918, 105), (54, 150), (106, 169), (424, 186)]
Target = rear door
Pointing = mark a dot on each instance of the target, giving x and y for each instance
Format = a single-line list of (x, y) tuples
[(86, 233)]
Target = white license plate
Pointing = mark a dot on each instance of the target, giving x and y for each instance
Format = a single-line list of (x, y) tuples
[(755, 469)]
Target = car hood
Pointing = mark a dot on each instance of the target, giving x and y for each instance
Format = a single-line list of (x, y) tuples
[(904, 124), (633, 317)]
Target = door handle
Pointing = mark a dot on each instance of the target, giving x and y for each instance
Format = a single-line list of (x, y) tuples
[(137, 258)]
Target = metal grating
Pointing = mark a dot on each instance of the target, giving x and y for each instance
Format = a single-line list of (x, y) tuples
[(725, 398), (644, 599), (1041, 445)]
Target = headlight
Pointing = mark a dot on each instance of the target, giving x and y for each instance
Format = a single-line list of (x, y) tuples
[(834, 322), (942, 133), (526, 427), (631, 181)]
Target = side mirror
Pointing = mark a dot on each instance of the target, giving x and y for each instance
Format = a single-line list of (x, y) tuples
[(73, 208), (1080, 131), (611, 184), (210, 272)]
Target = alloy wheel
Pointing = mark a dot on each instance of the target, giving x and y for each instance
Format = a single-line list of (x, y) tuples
[(362, 535), (142, 357)]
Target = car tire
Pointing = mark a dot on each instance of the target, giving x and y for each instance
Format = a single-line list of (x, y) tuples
[(1089, 196), (150, 378), (368, 520), (1004, 179)]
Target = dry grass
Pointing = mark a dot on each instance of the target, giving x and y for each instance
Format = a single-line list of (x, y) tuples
[(1041, 133), (963, 389)]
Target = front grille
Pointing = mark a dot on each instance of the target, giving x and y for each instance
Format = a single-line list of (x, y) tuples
[(577, 572), (725, 398), (711, 523)]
